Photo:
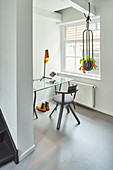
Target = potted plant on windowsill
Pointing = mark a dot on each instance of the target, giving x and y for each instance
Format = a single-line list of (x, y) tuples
[(87, 64)]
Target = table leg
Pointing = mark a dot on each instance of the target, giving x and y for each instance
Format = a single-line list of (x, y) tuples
[(34, 103)]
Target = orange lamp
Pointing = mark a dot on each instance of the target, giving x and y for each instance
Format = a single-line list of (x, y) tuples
[(46, 59)]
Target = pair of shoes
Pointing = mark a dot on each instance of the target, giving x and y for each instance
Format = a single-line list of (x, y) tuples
[(44, 107)]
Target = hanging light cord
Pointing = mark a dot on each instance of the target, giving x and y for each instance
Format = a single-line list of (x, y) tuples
[(88, 17)]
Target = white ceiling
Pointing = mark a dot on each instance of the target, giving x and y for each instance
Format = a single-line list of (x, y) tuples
[(58, 5), (51, 5)]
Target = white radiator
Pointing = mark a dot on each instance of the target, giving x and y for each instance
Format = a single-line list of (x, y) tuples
[(85, 94)]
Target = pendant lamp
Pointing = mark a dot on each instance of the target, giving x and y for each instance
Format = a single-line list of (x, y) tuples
[(88, 62)]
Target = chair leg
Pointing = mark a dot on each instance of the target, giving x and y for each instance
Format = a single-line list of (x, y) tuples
[(53, 110), (60, 117), (74, 105), (67, 109), (74, 114)]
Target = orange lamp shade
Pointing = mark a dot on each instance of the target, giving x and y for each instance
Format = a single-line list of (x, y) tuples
[(46, 59)]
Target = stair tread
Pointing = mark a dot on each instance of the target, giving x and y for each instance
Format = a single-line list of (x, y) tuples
[(8, 151), (2, 131), (1, 127), (6, 154)]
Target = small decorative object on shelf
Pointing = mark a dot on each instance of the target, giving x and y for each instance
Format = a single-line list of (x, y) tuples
[(52, 74), (88, 63)]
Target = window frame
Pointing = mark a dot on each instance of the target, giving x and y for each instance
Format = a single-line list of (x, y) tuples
[(63, 42)]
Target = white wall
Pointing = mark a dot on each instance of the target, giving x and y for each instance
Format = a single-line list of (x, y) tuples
[(8, 101), (16, 73), (46, 35), (104, 90), (25, 125)]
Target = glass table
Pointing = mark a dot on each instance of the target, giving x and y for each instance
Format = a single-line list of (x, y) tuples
[(39, 85)]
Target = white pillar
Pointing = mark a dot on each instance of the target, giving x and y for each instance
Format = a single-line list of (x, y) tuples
[(16, 92)]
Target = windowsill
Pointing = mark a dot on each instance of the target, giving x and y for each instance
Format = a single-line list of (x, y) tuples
[(78, 75)]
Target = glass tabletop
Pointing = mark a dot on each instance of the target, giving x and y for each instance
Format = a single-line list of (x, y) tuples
[(47, 83)]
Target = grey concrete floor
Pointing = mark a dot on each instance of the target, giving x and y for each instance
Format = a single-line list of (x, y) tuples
[(88, 146)]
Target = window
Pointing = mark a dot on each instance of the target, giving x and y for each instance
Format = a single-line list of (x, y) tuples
[(72, 47)]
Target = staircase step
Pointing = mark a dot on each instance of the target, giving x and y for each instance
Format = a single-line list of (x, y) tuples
[(2, 131), (8, 151), (1, 127), (6, 154)]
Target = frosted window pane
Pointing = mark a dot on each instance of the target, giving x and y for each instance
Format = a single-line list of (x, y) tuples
[(79, 49), (70, 33), (96, 54), (98, 26), (70, 64), (92, 26), (70, 49), (80, 30), (96, 34), (78, 65), (96, 46)]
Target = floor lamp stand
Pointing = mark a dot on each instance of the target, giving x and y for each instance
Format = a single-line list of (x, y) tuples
[(44, 77)]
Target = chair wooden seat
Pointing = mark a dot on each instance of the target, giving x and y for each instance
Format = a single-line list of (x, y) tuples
[(67, 100)]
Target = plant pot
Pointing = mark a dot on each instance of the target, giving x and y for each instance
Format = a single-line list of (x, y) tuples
[(88, 66)]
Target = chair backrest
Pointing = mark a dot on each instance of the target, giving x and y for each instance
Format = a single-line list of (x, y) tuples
[(72, 89)]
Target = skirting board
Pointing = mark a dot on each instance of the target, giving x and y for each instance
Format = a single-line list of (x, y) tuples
[(104, 111), (26, 153), (98, 110)]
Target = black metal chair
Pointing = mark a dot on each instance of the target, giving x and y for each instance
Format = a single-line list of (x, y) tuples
[(65, 99)]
